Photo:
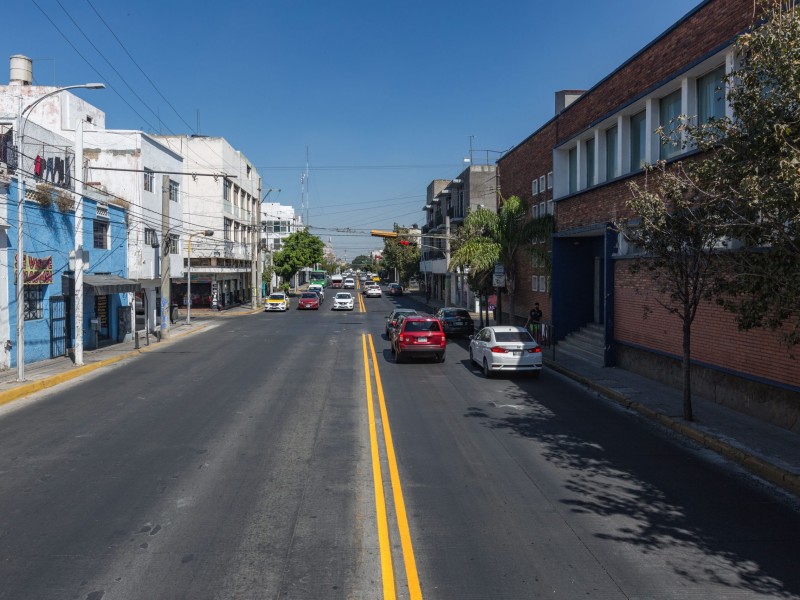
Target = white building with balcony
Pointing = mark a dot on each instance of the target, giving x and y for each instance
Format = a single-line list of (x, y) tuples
[(223, 194)]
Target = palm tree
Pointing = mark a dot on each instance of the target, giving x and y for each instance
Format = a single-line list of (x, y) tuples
[(504, 237)]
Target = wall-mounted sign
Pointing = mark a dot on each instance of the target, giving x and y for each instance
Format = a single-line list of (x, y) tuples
[(36, 271)]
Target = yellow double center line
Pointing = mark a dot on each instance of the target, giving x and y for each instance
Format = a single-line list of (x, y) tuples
[(361, 307), (387, 569)]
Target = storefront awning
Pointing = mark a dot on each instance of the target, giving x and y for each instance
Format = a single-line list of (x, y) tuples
[(100, 285)]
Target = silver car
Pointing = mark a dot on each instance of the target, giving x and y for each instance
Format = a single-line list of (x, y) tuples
[(505, 348)]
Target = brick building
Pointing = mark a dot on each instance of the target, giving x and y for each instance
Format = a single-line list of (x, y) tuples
[(595, 147)]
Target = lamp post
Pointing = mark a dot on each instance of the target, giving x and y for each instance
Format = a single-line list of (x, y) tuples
[(207, 233), (22, 120)]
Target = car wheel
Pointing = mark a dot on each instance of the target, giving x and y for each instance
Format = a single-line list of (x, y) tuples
[(471, 357), (441, 357), (486, 370)]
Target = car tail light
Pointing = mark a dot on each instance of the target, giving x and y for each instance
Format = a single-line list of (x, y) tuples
[(498, 350), (536, 350)]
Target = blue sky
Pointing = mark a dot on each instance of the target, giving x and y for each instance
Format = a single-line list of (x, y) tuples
[(384, 96)]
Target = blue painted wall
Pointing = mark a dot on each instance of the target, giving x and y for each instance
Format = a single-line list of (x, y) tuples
[(573, 282), (50, 232)]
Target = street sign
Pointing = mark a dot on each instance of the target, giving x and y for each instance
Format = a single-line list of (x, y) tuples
[(499, 280)]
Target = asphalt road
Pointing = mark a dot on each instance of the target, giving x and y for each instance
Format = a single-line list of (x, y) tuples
[(276, 457)]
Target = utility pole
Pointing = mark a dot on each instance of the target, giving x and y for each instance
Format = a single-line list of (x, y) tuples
[(79, 265), (166, 244), (448, 280)]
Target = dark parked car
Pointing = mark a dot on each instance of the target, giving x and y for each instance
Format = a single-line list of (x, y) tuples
[(456, 321), (394, 289), (419, 335), (393, 318)]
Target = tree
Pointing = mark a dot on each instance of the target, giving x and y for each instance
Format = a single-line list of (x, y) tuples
[(362, 261), (299, 249), (751, 170), (503, 237), (677, 232), (401, 253)]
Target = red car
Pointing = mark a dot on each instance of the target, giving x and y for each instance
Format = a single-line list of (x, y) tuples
[(419, 335), (308, 301)]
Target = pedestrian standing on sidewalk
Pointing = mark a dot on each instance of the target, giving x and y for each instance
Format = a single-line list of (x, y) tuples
[(534, 320)]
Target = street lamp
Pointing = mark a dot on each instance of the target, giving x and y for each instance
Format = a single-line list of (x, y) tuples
[(26, 112), (207, 233)]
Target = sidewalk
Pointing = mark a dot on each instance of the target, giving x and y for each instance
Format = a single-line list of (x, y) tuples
[(47, 373), (769, 451)]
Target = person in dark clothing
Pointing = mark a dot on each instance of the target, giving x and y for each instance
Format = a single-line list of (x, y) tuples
[(534, 320)]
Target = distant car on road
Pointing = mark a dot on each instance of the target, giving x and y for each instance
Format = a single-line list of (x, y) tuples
[(277, 301), (374, 291), (349, 283), (343, 301), (308, 300), (315, 287), (393, 317), (505, 348), (394, 289), (456, 321)]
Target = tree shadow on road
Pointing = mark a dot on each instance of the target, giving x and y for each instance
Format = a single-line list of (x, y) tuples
[(730, 535)]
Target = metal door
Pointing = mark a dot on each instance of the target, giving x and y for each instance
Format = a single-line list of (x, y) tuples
[(59, 326)]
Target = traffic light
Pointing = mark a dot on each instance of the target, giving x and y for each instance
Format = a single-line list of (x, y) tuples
[(383, 234)]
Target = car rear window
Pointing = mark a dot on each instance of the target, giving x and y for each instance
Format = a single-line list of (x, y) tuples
[(513, 336), (309, 295), (422, 326)]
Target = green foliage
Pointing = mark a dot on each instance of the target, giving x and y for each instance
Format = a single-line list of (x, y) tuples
[(400, 256), (300, 249), (751, 171), (362, 262), (487, 238)]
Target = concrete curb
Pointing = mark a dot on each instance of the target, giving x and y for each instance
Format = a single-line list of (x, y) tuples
[(774, 474), (38, 385)]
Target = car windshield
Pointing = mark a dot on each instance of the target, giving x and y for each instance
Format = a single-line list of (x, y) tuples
[(276, 297), (311, 295), (343, 296), (422, 326), (513, 336), (461, 314)]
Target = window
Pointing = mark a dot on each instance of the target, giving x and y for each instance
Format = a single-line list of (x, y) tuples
[(100, 234), (711, 96), (173, 190), (541, 209), (669, 111), (534, 284), (149, 181), (590, 163), (535, 187), (541, 183), (573, 170), (227, 229), (225, 189), (638, 137), (151, 238), (611, 153), (550, 180), (33, 298), (542, 283), (173, 244), (549, 207), (535, 211)]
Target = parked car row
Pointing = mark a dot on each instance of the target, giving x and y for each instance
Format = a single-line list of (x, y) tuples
[(495, 349)]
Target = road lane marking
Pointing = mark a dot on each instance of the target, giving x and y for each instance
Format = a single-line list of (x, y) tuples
[(387, 570), (412, 577), (361, 306)]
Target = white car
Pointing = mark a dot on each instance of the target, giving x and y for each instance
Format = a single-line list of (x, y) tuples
[(315, 287), (502, 348), (343, 301), (373, 291), (349, 283), (277, 301)]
